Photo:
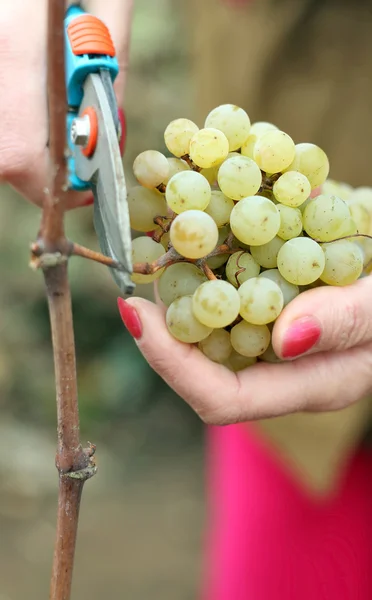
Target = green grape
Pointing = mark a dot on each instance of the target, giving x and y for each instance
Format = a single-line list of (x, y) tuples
[(146, 250), (327, 218), (250, 340), (343, 262), (237, 362), (255, 220), (267, 254), (165, 240), (187, 190), (208, 148), (151, 168), (214, 262), (178, 134), (361, 217), (240, 267), (180, 279), (210, 174), (335, 188), (232, 121), (217, 346), (144, 205), (274, 151), (301, 261), (216, 303), (182, 324), (256, 131), (176, 165), (239, 177), (362, 195), (289, 290), (311, 161), (292, 189), (193, 234), (219, 208), (261, 300), (270, 356), (290, 222)]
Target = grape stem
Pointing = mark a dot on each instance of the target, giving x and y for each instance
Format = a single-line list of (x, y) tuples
[(202, 264), (191, 164)]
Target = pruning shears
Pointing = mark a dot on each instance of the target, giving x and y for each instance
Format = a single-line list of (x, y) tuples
[(93, 132)]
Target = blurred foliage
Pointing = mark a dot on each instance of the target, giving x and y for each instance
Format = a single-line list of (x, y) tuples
[(115, 383)]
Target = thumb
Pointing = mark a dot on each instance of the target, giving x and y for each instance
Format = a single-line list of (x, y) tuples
[(326, 318)]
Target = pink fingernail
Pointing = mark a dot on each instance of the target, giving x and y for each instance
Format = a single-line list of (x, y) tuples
[(130, 318), (300, 337)]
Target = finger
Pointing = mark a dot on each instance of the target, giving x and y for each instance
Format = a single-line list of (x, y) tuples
[(318, 382), (326, 318)]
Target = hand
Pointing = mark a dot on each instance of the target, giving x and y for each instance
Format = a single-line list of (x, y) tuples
[(333, 326), (23, 102)]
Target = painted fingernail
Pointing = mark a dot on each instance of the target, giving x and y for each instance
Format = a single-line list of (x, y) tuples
[(130, 318), (300, 337), (123, 124)]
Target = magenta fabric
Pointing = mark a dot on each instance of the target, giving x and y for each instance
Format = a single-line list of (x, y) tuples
[(268, 539)]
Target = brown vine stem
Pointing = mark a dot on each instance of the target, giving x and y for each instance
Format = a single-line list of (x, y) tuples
[(51, 251)]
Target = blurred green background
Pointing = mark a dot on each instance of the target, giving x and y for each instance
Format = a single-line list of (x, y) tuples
[(141, 517)]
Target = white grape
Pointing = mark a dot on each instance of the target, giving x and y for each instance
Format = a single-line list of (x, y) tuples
[(144, 205), (327, 218), (266, 255), (335, 188), (301, 261), (178, 134), (233, 121), (214, 262), (343, 262), (151, 168), (240, 267), (208, 148), (257, 129), (311, 161), (217, 346), (194, 234), (179, 279), (187, 190), (219, 208), (289, 290), (216, 303), (176, 165), (210, 174), (292, 189), (270, 356), (237, 362), (290, 222), (261, 300), (239, 177), (146, 250), (182, 324), (274, 151), (250, 340), (255, 220)]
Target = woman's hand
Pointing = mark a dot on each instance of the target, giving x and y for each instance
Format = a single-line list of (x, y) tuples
[(23, 101), (333, 326)]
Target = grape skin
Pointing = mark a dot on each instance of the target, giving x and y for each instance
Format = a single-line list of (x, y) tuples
[(219, 208), (182, 324), (244, 262), (237, 362), (255, 220), (239, 177), (257, 129), (311, 161), (216, 303), (208, 148), (261, 300), (217, 346), (290, 222), (250, 340), (274, 151), (144, 205), (146, 250), (193, 234), (151, 168), (187, 190), (292, 189), (178, 134), (343, 263), (176, 165), (180, 279), (289, 290), (266, 255), (233, 121), (327, 218), (301, 261)]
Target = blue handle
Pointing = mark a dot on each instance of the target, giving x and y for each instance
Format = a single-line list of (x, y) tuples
[(77, 67)]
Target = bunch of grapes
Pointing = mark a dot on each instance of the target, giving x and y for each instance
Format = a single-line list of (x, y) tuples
[(236, 227)]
